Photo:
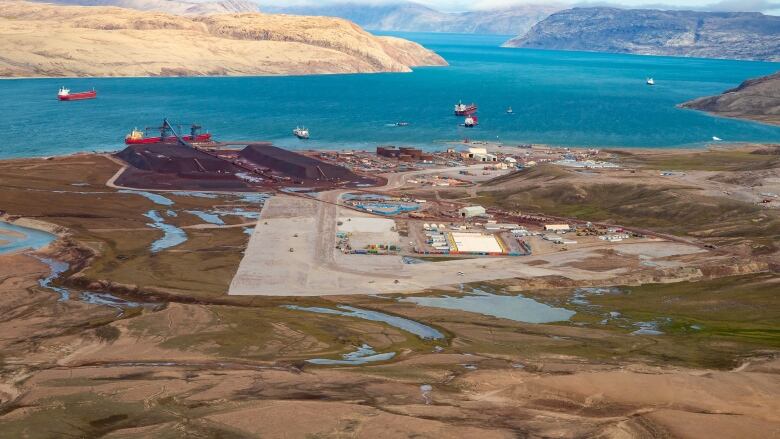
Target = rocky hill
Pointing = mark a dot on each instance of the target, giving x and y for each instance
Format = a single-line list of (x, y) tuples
[(733, 35), (414, 17), (50, 40), (756, 99), (179, 7)]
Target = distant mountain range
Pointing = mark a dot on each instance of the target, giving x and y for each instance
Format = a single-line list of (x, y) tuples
[(756, 99), (414, 17), (178, 7), (733, 35)]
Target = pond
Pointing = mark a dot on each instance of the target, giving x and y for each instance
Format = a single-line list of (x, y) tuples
[(362, 355), (14, 238), (517, 308)]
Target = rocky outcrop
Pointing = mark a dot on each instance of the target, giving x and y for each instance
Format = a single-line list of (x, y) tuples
[(732, 35), (414, 17), (48, 40), (179, 7), (757, 99)]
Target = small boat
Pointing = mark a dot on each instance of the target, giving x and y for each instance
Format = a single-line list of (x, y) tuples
[(138, 137), (650, 81), (65, 95), (470, 122), (301, 133), (717, 139), (402, 124), (510, 111), (462, 109)]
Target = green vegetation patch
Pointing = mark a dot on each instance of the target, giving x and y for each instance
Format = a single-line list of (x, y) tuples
[(669, 209), (711, 160), (710, 323)]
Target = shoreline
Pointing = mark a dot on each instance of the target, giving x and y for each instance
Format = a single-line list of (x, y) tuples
[(496, 146), (285, 75)]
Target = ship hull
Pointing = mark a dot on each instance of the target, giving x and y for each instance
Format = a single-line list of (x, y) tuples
[(78, 96), (466, 112), (199, 138)]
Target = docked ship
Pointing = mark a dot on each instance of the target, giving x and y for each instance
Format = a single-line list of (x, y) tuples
[(137, 137), (65, 95), (301, 133), (470, 122), (462, 109)]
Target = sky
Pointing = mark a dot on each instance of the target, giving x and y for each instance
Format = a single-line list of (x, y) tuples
[(765, 6)]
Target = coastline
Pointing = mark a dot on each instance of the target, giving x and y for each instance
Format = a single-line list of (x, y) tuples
[(682, 106), (285, 75), (496, 146)]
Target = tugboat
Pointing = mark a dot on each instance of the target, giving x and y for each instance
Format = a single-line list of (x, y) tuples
[(462, 109), (650, 81), (470, 122), (301, 133), (65, 95), (138, 137)]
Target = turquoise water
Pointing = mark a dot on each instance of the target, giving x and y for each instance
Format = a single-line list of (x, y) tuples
[(362, 355), (416, 328), (14, 238), (155, 198), (57, 268), (172, 235), (563, 98), (518, 308)]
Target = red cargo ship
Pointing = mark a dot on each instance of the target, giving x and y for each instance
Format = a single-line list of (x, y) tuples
[(137, 137), (462, 109), (65, 95)]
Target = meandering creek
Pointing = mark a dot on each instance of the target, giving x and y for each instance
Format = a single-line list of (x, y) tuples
[(416, 328)]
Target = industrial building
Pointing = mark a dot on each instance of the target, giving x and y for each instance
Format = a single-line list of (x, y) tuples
[(479, 154), (403, 153), (472, 211), (388, 151), (557, 228), (475, 243)]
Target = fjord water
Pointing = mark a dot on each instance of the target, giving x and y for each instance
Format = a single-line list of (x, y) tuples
[(560, 98)]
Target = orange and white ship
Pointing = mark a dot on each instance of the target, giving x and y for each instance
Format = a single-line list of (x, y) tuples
[(462, 109), (138, 137), (65, 95)]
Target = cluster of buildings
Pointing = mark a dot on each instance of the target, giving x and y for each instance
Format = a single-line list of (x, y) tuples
[(404, 154), (442, 241)]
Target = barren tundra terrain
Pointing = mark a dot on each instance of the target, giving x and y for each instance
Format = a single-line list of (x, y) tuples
[(667, 339), (47, 40)]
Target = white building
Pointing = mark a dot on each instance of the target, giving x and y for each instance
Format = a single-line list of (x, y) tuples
[(472, 211), (485, 157), (479, 154), (557, 227)]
